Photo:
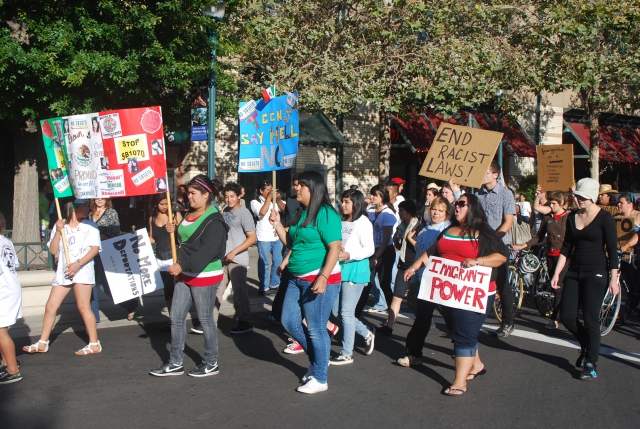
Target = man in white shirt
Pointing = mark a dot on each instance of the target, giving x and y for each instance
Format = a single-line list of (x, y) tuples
[(268, 241)]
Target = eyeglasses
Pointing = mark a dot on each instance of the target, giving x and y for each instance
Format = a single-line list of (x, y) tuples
[(461, 203)]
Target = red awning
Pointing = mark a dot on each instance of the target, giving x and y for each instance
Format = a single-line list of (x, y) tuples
[(617, 143), (420, 130)]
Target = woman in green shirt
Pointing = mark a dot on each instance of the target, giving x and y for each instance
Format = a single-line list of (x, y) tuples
[(314, 238)]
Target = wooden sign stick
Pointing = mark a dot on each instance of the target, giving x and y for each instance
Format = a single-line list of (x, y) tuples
[(64, 235)]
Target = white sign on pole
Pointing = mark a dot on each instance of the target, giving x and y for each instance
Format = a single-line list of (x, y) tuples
[(445, 282), (130, 266)]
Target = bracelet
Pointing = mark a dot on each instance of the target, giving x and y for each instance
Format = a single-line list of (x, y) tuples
[(412, 269), (323, 276), (81, 264), (477, 263)]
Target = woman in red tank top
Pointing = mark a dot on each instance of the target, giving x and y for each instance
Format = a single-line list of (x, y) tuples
[(471, 241)]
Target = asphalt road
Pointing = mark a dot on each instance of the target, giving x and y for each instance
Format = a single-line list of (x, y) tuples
[(529, 383)]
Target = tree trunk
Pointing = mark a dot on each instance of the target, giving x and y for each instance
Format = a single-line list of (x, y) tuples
[(25, 204), (384, 138), (594, 151)]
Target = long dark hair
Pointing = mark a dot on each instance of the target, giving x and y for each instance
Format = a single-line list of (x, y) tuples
[(359, 206), (67, 211), (319, 197), (383, 193), (155, 200), (476, 220)]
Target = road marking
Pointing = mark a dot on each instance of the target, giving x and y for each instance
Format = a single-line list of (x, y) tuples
[(572, 344)]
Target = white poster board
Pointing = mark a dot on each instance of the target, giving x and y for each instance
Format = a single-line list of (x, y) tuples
[(130, 266), (445, 282)]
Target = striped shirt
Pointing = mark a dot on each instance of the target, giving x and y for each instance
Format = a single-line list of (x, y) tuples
[(497, 203)]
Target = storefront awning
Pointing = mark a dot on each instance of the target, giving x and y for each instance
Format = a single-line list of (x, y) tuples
[(420, 129), (618, 143)]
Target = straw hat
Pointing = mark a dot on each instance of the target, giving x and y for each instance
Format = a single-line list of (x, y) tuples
[(606, 189), (433, 185)]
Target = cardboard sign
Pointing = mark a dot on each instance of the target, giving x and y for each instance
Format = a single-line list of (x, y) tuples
[(54, 147), (445, 282), (461, 153), (555, 167), (130, 266), (268, 134), (626, 228)]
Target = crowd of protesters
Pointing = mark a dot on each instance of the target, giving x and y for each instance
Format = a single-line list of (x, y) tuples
[(318, 261)]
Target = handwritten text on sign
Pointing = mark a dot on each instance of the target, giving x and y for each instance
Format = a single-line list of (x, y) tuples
[(555, 167), (461, 153), (445, 282)]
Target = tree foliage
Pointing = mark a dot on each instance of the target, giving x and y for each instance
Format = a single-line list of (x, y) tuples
[(60, 57)]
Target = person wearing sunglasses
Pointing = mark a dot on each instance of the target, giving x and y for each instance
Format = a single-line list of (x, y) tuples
[(471, 241), (590, 230), (500, 210)]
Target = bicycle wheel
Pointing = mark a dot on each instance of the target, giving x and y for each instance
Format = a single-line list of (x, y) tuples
[(609, 312), (516, 284), (543, 292)]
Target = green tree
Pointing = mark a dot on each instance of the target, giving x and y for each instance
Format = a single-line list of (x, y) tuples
[(395, 54), (589, 47)]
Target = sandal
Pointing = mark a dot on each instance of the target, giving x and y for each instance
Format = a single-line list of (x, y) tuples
[(87, 350), (452, 391), (476, 375), (33, 348), (131, 315)]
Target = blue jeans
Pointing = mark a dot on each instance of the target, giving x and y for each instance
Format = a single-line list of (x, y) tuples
[(264, 249), (300, 302), (394, 271), (378, 296), (345, 306), (465, 326), (205, 299)]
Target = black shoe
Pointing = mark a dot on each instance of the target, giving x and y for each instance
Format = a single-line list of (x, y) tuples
[(3, 368), (270, 318), (242, 328), (167, 370), (384, 329), (197, 329), (581, 358), (261, 292), (204, 370), (271, 291), (6, 378), (504, 331), (589, 372)]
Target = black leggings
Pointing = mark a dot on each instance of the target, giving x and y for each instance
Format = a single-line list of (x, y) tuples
[(506, 294), (584, 289), (421, 326), (383, 269), (552, 262)]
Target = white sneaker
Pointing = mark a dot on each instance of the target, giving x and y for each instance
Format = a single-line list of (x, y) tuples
[(341, 360), (312, 386)]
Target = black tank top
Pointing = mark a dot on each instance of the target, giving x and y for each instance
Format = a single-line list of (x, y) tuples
[(163, 241)]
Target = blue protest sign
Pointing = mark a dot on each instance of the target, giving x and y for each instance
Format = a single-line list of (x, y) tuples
[(268, 134)]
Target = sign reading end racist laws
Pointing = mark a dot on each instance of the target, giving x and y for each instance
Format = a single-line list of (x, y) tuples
[(130, 266), (461, 153), (445, 282)]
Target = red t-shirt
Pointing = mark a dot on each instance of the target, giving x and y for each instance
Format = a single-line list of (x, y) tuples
[(460, 248)]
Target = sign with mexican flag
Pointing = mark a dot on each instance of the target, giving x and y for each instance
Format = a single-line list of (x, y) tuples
[(54, 146)]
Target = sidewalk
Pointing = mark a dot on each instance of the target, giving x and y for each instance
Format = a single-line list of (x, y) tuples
[(36, 286)]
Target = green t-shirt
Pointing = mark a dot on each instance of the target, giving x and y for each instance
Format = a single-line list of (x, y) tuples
[(311, 244)]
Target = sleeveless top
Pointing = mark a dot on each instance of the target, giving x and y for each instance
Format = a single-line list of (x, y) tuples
[(163, 241)]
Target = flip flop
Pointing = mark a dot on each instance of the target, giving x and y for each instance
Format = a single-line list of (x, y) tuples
[(450, 392), (476, 375)]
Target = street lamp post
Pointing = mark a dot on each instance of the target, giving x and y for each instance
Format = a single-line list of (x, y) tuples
[(215, 12)]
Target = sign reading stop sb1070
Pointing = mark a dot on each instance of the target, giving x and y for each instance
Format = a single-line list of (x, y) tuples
[(460, 153)]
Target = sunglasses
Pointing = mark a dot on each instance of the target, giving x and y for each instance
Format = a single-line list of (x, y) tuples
[(461, 203)]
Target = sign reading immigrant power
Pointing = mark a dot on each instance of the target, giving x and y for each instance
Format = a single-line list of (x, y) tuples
[(555, 167), (461, 153), (130, 266), (445, 282), (268, 134)]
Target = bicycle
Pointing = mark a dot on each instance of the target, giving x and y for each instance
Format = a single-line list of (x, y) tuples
[(611, 303), (522, 265)]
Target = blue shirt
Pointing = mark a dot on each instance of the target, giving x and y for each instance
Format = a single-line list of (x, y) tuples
[(497, 203)]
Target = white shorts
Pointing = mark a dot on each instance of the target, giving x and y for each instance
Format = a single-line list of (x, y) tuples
[(10, 300)]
